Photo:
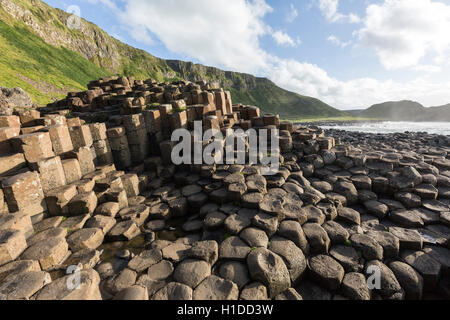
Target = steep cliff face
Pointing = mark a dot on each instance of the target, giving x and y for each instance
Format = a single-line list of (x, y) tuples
[(228, 79), (89, 52)]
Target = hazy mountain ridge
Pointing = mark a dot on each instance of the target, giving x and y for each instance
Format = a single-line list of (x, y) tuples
[(405, 110), (34, 23)]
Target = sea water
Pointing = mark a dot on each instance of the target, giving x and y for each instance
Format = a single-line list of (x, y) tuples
[(392, 127)]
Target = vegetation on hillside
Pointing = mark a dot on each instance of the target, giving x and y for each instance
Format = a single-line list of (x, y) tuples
[(47, 71)]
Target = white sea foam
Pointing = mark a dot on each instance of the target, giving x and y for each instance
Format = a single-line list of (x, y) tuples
[(394, 126)]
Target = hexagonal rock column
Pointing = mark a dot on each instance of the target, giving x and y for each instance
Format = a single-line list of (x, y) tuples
[(137, 137), (24, 285), (72, 170), (152, 120), (215, 288), (50, 252), (51, 173), (12, 163), (58, 289), (23, 192), (84, 203), (81, 136), (28, 117), (178, 120), (58, 199), (34, 146), (86, 238), (5, 135), (84, 157), (130, 184), (19, 221), (60, 137), (119, 146), (12, 244), (9, 121), (101, 144), (269, 268)]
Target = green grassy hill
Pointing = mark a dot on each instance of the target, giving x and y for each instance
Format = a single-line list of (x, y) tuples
[(47, 59), (44, 71)]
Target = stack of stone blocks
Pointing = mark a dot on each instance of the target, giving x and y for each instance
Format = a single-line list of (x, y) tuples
[(57, 171)]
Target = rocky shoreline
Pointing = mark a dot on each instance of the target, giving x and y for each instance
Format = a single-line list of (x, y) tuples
[(105, 197)]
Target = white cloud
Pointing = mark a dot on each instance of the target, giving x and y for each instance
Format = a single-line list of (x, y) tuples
[(228, 34), (338, 42), (292, 14), (353, 18), (225, 34), (402, 32), (311, 80), (283, 39), (427, 68), (330, 10)]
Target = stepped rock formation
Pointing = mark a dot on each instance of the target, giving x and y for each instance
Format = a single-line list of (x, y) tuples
[(104, 196)]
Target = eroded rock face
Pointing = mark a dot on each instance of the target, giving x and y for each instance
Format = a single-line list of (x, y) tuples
[(13, 98)]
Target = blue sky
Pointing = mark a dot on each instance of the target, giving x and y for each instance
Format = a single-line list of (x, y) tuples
[(348, 53)]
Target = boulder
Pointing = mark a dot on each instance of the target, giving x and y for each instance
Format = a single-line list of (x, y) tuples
[(254, 291), (174, 291), (123, 231), (205, 250), (12, 244), (192, 272), (336, 233), (84, 203), (50, 252), (89, 238), (84, 285), (327, 271), (236, 272), (293, 231), (388, 283), (370, 249), (270, 269), (292, 255), (215, 288), (410, 280), (254, 237), (318, 239), (428, 268), (134, 293), (354, 286), (233, 248), (160, 271), (348, 257), (349, 216), (24, 285), (145, 260)]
